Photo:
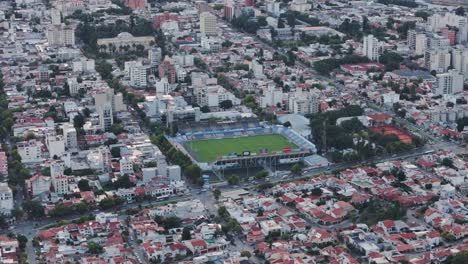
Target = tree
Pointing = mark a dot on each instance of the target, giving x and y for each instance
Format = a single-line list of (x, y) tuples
[(33, 208), (46, 171), (78, 121), (428, 186), (22, 240), (459, 258), (216, 194), (460, 11), (447, 162), (205, 109), (261, 174), (83, 184), (171, 222), (193, 172), (423, 14), (222, 212), (296, 169), (391, 60), (233, 179), (186, 234), (316, 192), (117, 129), (17, 213), (123, 182), (246, 253), (280, 23), (115, 152), (110, 202), (94, 248), (226, 104)]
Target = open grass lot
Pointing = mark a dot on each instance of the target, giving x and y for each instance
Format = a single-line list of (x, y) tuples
[(210, 149)]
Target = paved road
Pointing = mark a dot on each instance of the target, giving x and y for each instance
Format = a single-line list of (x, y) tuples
[(30, 251)]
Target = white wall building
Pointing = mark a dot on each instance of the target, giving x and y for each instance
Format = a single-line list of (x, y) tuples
[(30, 151), (84, 65), (438, 21), (163, 86), (303, 103), (437, 59), (417, 42), (271, 97), (448, 83), (155, 55), (138, 76), (6, 199), (208, 24), (56, 16), (460, 60), (61, 35), (173, 172), (149, 173), (371, 47), (273, 8), (126, 166), (73, 85), (56, 145), (106, 118), (70, 135), (107, 95)]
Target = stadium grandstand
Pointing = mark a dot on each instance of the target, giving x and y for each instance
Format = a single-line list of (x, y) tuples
[(240, 143)]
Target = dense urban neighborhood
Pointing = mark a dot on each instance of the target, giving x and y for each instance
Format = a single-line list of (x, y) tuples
[(233, 131)]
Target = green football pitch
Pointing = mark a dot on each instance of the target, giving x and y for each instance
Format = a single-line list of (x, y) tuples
[(210, 149)]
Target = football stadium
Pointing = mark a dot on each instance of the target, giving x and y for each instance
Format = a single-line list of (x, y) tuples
[(239, 144)]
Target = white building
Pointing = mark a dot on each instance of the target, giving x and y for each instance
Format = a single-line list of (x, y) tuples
[(448, 83), (300, 6), (107, 95), (84, 65), (106, 118), (417, 42), (70, 135), (273, 8), (61, 35), (6, 199), (437, 59), (439, 20), (38, 184), (213, 95), (56, 16), (148, 174), (56, 145), (434, 41), (59, 180), (460, 60), (208, 24), (126, 166), (30, 151), (162, 165), (371, 47), (173, 172), (61, 185), (138, 76), (184, 60), (303, 103), (390, 98), (257, 69), (155, 55), (271, 97), (73, 85), (163, 86)]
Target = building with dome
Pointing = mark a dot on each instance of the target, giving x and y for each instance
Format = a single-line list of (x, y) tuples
[(124, 42)]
